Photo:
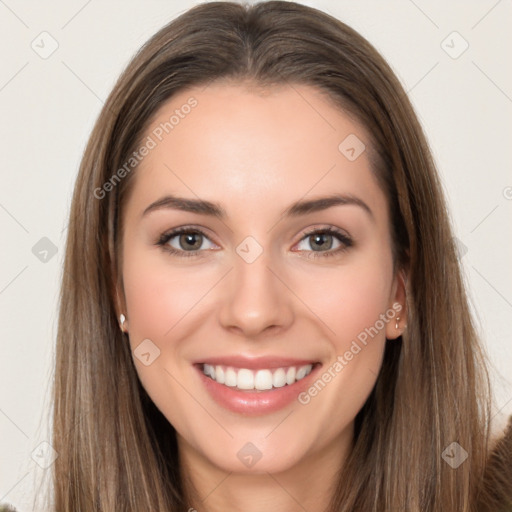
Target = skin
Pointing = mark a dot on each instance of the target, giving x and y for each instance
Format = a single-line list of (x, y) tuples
[(255, 152)]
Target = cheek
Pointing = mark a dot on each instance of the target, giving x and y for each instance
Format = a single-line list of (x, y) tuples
[(355, 299), (161, 303), (351, 298), (158, 294)]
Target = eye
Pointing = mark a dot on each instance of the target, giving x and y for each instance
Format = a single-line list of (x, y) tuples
[(190, 241), (184, 242), (322, 241)]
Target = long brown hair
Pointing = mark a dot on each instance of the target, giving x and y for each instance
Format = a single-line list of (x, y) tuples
[(117, 452)]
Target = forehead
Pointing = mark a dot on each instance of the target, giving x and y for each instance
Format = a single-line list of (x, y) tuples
[(254, 146)]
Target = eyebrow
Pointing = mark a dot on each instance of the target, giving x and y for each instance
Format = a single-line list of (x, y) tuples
[(301, 207)]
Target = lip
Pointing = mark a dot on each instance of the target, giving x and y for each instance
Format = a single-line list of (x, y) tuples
[(255, 402), (255, 363)]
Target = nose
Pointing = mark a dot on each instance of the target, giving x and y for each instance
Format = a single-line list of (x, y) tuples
[(256, 299)]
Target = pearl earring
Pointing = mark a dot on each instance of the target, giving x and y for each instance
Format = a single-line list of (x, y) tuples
[(122, 319), (396, 322)]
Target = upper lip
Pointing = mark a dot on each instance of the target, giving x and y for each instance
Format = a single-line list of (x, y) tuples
[(255, 362)]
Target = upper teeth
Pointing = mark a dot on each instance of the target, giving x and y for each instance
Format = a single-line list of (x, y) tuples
[(243, 378)]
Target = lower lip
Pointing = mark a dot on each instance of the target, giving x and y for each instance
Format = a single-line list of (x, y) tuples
[(254, 402)]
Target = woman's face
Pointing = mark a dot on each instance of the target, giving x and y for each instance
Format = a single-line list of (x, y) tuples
[(269, 287)]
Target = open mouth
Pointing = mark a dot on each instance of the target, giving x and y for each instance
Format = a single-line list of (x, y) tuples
[(264, 379), (254, 386)]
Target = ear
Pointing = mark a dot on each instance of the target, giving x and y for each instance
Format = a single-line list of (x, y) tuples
[(396, 325)]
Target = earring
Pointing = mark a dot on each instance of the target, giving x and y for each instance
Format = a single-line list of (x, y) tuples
[(122, 319), (396, 323)]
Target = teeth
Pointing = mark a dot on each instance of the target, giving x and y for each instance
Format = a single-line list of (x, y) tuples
[(290, 375), (245, 379), (220, 376), (301, 373), (279, 378), (230, 377), (263, 379)]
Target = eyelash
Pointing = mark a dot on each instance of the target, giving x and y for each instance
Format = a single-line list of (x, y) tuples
[(345, 240)]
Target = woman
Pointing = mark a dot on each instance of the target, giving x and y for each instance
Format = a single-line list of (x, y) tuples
[(255, 369)]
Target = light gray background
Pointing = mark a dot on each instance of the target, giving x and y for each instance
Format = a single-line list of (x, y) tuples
[(48, 107)]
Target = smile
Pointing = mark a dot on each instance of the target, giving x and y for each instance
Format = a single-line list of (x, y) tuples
[(255, 386), (262, 379)]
